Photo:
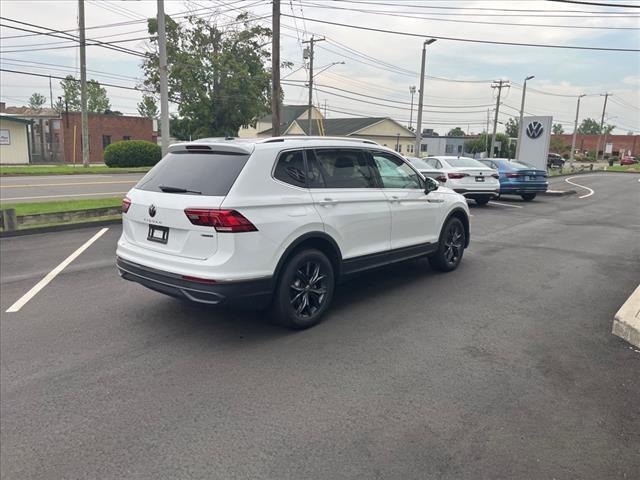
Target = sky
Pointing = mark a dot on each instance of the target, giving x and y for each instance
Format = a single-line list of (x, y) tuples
[(379, 68)]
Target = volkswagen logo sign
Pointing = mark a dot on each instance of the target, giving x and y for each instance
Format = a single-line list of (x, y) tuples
[(152, 210), (534, 130)]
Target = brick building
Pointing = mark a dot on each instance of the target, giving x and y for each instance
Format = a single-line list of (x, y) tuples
[(622, 144), (103, 131)]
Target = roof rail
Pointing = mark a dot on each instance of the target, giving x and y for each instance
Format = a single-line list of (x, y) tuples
[(310, 138)]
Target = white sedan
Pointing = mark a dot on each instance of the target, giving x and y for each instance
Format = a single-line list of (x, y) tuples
[(464, 175)]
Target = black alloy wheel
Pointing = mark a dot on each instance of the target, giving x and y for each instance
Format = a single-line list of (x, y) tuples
[(304, 290), (451, 246)]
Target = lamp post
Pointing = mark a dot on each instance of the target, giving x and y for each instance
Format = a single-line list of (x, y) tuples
[(421, 96), (575, 131), (520, 126), (412, 91)]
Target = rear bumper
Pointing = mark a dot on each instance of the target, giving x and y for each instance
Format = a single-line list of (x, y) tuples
[(247, 293), (519, 188), (476, 193)]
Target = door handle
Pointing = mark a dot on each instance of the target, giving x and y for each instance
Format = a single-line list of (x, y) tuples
[(394, 199), (435, 200), (328, 201)]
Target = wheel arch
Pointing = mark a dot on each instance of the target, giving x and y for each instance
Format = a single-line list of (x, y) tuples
[(461, 215), (318, 240)]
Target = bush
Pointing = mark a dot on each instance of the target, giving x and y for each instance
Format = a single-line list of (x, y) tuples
[(132, 153)]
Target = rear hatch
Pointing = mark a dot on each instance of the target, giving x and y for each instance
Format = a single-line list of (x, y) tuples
[(183, 179), (528, 175), (475, 176)]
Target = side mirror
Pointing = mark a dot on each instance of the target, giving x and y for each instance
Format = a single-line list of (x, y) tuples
[(430, 185)]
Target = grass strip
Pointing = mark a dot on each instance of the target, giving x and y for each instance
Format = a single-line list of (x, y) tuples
[(59, 206), (67, 170)]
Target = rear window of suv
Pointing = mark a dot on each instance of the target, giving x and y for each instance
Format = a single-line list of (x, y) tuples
[(199, 173)]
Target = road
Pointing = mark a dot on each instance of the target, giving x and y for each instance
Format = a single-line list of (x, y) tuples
[(65, 187), (505, 368)]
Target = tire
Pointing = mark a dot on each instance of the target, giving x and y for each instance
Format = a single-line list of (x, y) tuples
[(450, 246), (527, 197), (482, 201), (300, 301)]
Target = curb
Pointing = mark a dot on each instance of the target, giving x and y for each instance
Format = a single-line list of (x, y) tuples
[(626, 323), (588, 172), (558, 193), (59, 228)]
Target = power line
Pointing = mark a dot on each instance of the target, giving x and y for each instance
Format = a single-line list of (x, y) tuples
[(468, 40), (418, 16), (598, 4)]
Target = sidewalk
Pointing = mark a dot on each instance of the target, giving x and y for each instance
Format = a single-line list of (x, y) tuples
[(626, 323)]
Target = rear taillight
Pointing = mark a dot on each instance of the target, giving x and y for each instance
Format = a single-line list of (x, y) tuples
[(495, 175), (512, 175), (198, 279), (457, 175), (442, 178), (126, 203), (221, 220)]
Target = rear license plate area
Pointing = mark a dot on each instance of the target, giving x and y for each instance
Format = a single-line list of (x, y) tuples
[(479, 179), (158, 234)]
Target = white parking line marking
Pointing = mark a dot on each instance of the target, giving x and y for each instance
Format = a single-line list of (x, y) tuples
[(63, 196), (505, 205), (591, 192), (53, 273)]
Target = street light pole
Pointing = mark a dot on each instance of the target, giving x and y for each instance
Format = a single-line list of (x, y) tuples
[(164, 89), (412, 91), (575, 131), (84, 119), (604, 108), (421, 96), (520, 126)]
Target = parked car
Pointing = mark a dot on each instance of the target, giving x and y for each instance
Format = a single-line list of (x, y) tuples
[(518, 178), (628, 161), (466, 176), (277, 222), (427, 170), (555, 160)]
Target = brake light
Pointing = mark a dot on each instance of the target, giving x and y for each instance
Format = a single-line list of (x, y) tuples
[(442, 178), (221, 220), (457, 175), (126, 203), (495, 175), (512, 175)]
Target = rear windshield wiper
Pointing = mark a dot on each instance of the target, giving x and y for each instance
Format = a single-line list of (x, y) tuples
[(170, 189)]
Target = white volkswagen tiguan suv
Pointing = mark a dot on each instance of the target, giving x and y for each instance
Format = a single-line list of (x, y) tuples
[(276, 222)]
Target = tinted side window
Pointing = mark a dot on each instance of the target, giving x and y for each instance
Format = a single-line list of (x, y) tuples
[(394, 173), (290, 169), (339, 168)]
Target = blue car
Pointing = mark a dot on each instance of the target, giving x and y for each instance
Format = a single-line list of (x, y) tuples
[(518, 178)]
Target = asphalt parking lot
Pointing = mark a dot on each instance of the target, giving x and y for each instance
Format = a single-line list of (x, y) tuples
[(505, 368)]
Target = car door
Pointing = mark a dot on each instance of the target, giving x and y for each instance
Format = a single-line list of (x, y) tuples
[(353, 208), (414, 214)]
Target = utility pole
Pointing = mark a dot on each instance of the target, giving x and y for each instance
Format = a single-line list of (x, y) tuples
[(275, 71), (164, 88), (309, 55), (520, 125), (421, 97), (50, 92), (83, 86), (412, 91), (575, 131), (499, 84), (604, 108)]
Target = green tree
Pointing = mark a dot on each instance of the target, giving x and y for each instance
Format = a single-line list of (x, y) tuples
[(36, 101), (148, 107), (217, 76), (557, 145), (511, 127), (589, 126), (97, 100), (557, 129), (479, 145), (456, 132), (608, 129), (71, 93), (476, 145)]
